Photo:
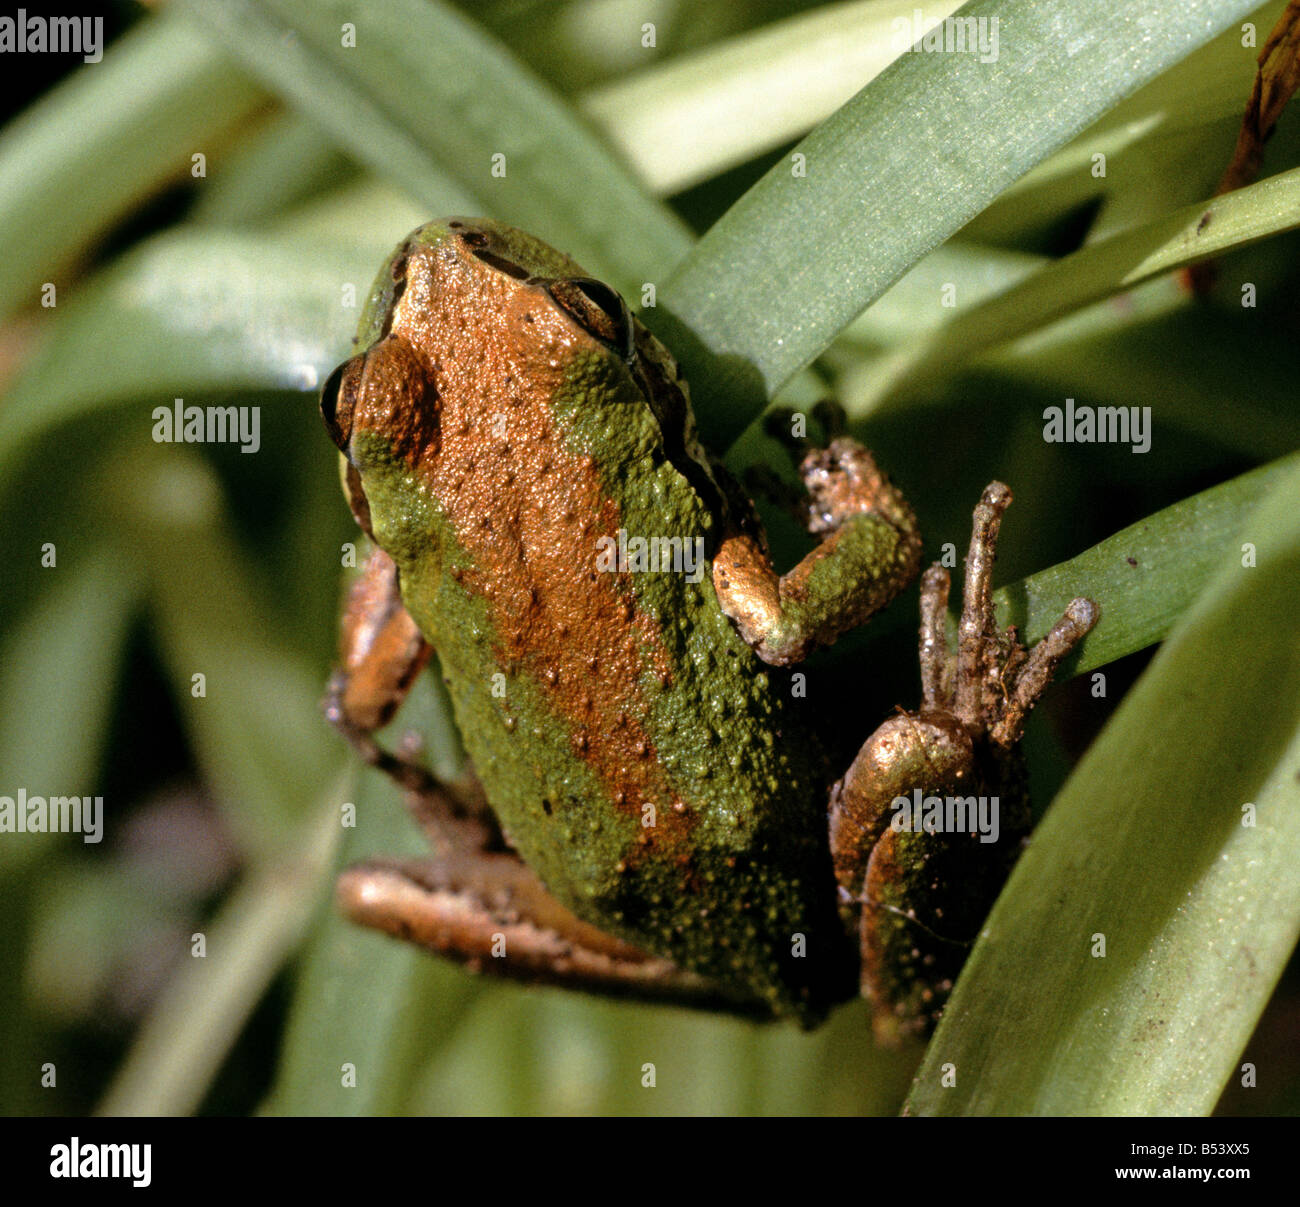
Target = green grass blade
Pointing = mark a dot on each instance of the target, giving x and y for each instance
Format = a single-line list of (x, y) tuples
[(916, 154), (179, 1048), (1146, 846), (256, 730), (1146, 576), (287, 163), (1095, 272), (682, 121), (425, 96), (364, 1000), (128, 124), (1179, 113), (57, 674), (193, 313)]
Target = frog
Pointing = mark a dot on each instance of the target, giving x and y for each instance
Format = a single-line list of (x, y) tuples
[(653, 812)]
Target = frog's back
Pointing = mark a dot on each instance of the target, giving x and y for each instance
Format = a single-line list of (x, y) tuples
[(554, 545)]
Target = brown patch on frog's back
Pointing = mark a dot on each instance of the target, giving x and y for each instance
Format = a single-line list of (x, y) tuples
[(528, 511)]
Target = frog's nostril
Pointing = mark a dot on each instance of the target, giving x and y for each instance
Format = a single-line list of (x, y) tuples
[(338, 400)]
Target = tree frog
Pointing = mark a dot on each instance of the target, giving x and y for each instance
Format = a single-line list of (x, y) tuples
[(653, 811)]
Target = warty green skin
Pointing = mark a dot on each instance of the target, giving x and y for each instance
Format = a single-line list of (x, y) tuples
[(735, 883)]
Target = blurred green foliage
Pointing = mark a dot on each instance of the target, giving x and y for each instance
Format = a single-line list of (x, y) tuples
[(226, 280)]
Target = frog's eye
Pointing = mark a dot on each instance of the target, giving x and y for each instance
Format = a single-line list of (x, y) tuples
[(596, 308), (338, 398)]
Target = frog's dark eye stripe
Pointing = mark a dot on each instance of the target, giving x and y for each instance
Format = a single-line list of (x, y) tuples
[(338, 399), (596, 308), (509, 267), (398, 272), (478, 243)]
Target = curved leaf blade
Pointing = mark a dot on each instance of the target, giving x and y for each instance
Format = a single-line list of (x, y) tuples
[(916, 154), (425, 97), (1091, 274), (128, 124)]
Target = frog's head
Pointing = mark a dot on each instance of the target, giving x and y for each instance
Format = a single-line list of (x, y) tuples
[(479, 345), (469, 322)]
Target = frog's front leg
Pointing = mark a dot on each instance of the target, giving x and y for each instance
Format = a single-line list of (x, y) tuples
[(928, 821), (474, 900), (870, 550), (381, 651)]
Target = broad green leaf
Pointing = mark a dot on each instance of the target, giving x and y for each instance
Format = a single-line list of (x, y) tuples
[(425, 97), (915, 155), (1175, 842), (912, 307), (1141, 142), (103, 141), (696, 115)]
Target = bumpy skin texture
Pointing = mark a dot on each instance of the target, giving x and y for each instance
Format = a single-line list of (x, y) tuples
[(505, 417), (585, 697)]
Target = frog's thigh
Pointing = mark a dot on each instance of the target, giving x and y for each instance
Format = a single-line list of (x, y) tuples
[(491, 912), (870, 550), (898, 955), (916, 887)]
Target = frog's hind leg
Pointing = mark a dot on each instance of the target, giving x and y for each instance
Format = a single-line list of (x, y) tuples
[(922, 894), (490, 912)]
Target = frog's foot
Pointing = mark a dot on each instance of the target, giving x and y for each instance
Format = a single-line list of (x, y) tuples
[(781, 425), (869, 551), (490, 912), (924, 826), (993, 682)]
